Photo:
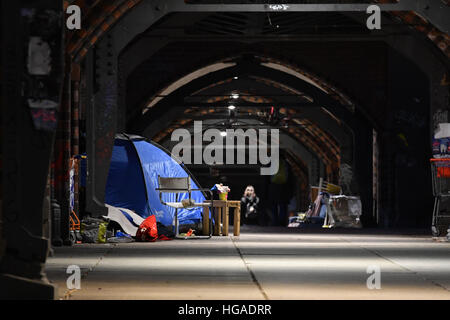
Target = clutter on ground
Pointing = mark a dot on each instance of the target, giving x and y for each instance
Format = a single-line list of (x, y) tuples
[(132, 181), (93, 230), (330, 209), (120, 226)]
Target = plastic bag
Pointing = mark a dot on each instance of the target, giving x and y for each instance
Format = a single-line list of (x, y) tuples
[(90, 229), (148, 231), (101, 237)]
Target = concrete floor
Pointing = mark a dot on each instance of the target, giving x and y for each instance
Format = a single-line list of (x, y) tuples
[(263, 263)]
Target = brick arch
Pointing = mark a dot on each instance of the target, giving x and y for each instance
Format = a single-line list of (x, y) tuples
[(320, 137), (313, 137), (97, 19), (298, 165), (314, 143), (415, 21), (330, 90)]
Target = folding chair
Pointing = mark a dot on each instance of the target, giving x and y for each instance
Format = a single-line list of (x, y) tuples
[(177, 186)]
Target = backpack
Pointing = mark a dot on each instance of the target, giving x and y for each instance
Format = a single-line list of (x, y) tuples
[(148, 231)]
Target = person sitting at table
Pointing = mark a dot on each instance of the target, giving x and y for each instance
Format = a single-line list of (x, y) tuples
[(249, 206)]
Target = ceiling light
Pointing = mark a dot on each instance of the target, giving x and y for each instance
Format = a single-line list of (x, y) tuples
[(235, 95), (223, 133), (231, 107), (235, 78)]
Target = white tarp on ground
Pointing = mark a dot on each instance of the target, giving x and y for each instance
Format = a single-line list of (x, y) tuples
[(128, 220)]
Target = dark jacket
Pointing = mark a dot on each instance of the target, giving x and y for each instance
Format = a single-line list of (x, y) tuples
[(246, 204)]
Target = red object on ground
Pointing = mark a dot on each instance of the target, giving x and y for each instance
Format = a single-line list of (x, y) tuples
[(148, 231)]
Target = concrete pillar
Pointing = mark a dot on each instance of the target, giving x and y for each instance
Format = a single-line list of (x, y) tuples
[(28, 136)]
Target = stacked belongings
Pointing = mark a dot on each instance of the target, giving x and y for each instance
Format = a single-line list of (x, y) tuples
[(346, 211), (135, 227), (318, 210), (330, 208), (122, 225), (316, 214), (133, 178), (130, 194), (94, 230)]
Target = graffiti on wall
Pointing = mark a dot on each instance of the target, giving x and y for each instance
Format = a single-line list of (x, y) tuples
[(42, 88)]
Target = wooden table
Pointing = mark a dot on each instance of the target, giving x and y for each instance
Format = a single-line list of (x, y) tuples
[(221, 215)]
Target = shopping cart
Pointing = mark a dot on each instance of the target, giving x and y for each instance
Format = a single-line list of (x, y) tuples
[(440, 173)]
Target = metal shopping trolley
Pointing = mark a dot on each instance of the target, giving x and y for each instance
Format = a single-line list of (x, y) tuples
[(440, 173)]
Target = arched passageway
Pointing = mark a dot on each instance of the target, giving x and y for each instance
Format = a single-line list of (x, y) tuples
[(342, 96)]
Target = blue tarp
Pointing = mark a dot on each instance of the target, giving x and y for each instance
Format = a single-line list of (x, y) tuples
[(133, 177)]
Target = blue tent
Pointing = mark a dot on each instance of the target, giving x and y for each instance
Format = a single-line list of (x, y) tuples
[(133, 177)]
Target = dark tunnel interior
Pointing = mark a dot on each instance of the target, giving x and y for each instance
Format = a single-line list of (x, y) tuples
[(293, 98)]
